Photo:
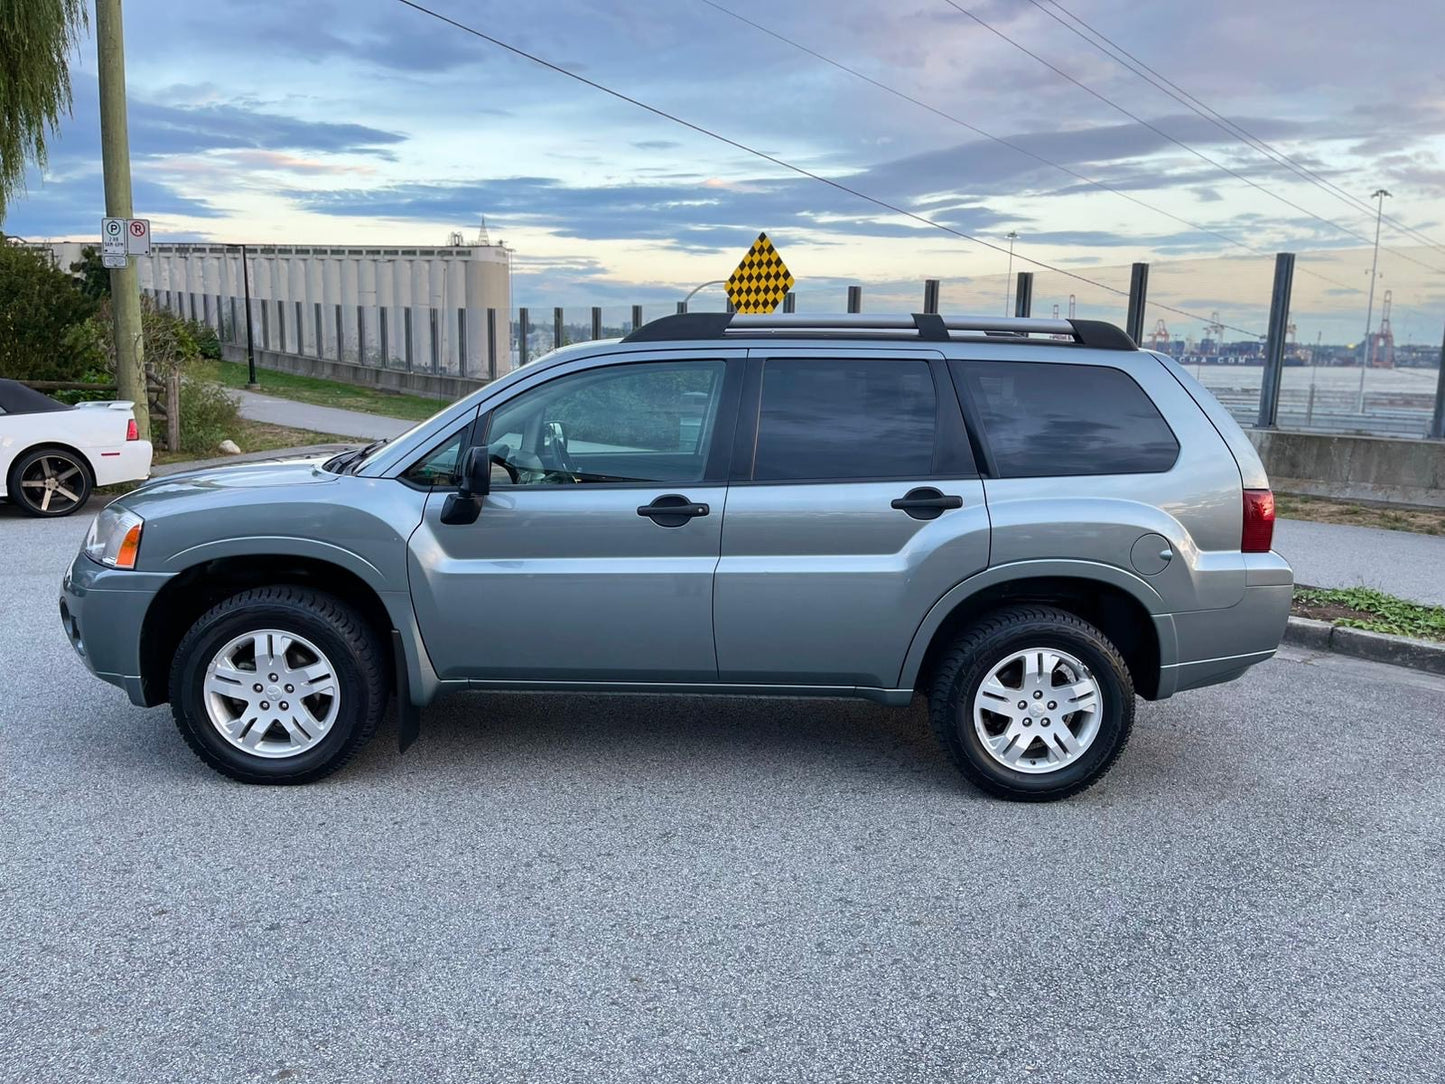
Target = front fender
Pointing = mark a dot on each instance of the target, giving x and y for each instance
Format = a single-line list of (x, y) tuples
[(1136, 586)]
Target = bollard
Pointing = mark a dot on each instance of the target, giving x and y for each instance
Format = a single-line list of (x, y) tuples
[(1274, 343), (1138, 296), (522, 332), (636, 317), (855, 299), (596, 323), (1024, 294), (930, 295), (557, 330)]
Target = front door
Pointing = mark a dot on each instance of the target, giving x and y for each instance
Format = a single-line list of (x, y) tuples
[(857, 508), (593, 556)]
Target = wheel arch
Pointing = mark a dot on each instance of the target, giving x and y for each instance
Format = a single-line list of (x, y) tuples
[(194, 590), (1124, 607), (41, 445)]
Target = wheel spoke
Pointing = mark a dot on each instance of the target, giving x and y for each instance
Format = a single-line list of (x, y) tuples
[(262, 649), (1080, 696), (231, 683), (314, 679), (45, 501), (995, 689), (33, 483), (46, 468), (66, 493), (254, 736), (1061, 739), (66, 474)]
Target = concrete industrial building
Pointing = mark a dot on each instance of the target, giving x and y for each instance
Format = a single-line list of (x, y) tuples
[(439, 310)]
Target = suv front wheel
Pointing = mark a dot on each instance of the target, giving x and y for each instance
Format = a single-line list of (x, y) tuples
[(278, 685), (1032, 703)]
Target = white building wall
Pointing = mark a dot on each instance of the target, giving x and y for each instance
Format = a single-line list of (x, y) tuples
[(459, 283)]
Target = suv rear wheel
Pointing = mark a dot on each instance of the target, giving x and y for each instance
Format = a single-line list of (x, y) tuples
[(1032, 703), (278, 685)]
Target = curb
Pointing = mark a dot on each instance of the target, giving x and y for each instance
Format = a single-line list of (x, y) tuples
[(1375, 646)]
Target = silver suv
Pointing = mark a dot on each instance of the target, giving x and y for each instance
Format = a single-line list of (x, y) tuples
[(1030, 522)]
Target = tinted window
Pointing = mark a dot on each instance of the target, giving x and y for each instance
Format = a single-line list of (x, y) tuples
[(845, 419), (1042, 419), (648, 422), (439, 466)]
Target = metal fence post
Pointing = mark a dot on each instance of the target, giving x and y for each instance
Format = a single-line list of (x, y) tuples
[(435, 339), (596, 323), (360, 335), (682, 306), (522, 331), (1138, 294), (1274, 344), (636, 317), (406, 332), (557, 330), (855, 299), (461, 342), (790, 302), (340, 336), (491, 344), (383, 354), (1024, 294), (930, 295), (1437, 423)]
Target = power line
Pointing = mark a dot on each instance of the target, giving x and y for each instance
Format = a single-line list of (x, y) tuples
[(838, 185), (1157, 79), (1006, 142), (1165, 135)]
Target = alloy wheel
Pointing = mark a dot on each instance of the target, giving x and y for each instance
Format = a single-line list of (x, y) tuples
[(1038, 710), (271, 693)]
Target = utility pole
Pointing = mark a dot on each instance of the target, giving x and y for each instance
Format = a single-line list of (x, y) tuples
[(1009, 278), (1365, 355), (115, 160), (250, 347)]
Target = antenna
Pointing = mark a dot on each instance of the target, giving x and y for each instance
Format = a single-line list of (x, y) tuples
[(482, 236)]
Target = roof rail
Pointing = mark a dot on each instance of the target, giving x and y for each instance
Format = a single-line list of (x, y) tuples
[(927, 327)]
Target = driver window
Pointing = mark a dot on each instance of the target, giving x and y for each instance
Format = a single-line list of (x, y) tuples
[(644, 422)]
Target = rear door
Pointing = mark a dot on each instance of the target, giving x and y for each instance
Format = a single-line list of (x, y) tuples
[(854, 506)]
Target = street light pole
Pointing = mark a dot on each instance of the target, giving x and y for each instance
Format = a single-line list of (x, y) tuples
[(1009, 278), (1366, 357), (115, 165), (246, 289)]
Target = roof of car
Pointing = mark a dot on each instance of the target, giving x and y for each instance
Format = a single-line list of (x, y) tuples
[(16, 398), (918, 327)]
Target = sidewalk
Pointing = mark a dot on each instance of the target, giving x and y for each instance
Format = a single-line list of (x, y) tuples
[(320, 419), (1335, 555)]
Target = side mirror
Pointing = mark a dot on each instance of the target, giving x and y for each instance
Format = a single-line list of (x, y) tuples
[(465, 505)]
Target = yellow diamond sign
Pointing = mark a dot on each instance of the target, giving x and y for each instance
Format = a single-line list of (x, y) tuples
[(761, 280)]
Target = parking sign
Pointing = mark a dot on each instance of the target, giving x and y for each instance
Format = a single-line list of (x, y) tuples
[(113, 240), (138, 236)]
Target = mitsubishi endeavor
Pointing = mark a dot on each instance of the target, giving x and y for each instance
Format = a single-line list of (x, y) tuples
[(1030, 522)]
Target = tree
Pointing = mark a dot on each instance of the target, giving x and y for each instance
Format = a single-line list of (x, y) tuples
[(41, 314), (94, 278), (36, 37)]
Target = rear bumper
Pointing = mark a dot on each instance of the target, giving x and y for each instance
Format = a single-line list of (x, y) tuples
[(1218, 645), (102, 611), (126, 462)]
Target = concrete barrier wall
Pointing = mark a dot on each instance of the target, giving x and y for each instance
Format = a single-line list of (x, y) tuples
[(1354, 468), (431, 385)]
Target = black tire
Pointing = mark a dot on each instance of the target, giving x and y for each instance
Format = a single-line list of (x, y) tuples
[(972, 658), (59, 461), (353, 648)]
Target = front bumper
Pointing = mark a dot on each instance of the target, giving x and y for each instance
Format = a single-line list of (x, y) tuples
[(102, 611)]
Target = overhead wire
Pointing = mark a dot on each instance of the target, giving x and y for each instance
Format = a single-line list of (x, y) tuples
[(1232, 127), (801, 171), (1006, 142), (1165, 135)]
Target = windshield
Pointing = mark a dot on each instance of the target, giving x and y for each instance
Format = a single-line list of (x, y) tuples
[(351, 462)]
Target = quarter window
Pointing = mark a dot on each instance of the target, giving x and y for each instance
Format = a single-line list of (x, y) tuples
[(1042, 419), (824, 419), (642, 422)]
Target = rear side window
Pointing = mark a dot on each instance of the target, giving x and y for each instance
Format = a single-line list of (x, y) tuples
[(1042, 419), (825, 419)]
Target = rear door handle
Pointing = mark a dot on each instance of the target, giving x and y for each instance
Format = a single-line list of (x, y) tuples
[(925, 502), (672, 510)]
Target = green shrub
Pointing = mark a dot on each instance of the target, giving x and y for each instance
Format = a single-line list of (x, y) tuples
[(209, 413), (40, 306)]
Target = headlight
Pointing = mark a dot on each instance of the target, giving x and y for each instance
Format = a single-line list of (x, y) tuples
[(114, 538)]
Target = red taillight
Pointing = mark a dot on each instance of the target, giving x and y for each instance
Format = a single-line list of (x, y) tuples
[(1258, 530), (132, 431)]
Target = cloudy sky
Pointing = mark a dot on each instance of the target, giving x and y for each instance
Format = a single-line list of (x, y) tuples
[(364, 121)]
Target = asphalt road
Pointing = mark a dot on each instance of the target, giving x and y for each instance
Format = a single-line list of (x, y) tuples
[(635, 889)]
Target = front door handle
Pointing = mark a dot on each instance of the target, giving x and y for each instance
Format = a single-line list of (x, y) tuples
[(925, 502), (672, 510)]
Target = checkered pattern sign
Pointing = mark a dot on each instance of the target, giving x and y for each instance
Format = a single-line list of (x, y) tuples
[(761, 280)]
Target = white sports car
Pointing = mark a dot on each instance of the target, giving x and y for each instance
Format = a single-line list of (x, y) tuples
[(52, 455)]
